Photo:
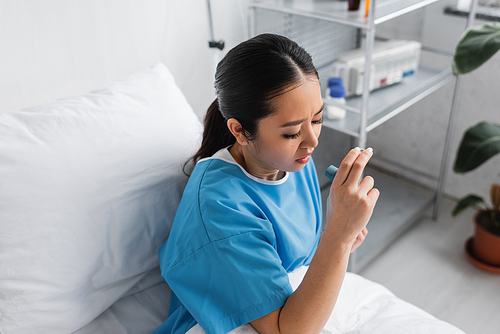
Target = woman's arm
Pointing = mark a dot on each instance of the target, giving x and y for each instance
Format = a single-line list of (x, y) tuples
[(307, 309)]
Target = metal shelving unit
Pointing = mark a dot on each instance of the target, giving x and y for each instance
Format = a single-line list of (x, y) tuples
[(383, 104), (326, 29), (336, 11), (483, 12)]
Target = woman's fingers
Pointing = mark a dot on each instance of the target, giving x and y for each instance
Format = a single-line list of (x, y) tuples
[(366, 184), (358, 167), (345, 167), (352, 201), (373, 195), (359, 239), (352, 167), (366, 187)]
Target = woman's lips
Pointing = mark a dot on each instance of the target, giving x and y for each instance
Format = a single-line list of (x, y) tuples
[(303, 160)]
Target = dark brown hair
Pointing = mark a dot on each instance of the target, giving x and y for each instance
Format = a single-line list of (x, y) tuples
[(247, 79)]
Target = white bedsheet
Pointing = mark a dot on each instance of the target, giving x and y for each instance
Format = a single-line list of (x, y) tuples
[(362, 307), (369, 308)]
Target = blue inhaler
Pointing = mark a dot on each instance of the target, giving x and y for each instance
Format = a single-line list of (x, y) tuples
[(330, 172)]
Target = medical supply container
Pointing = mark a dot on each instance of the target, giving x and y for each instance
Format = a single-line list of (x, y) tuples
[(335, 92), (392, 61)]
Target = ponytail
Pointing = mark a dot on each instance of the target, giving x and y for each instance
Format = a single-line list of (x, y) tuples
[(216, 134)]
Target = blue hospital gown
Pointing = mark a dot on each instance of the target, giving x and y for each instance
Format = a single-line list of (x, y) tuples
[(233, 241)]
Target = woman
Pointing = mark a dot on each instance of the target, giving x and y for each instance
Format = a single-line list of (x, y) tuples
[(251, 212)]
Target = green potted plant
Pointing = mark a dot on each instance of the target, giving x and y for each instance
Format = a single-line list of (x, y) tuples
[(479, 143)]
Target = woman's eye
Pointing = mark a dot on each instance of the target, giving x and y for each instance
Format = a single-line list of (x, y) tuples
[(319, 121), (292, 136)]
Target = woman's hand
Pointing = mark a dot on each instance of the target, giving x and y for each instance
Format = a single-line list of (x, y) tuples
[(310, 306), (352, 202), (359, 239)]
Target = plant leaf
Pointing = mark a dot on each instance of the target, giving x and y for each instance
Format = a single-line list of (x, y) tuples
[(475, 47), (479, 143), (465, 202)]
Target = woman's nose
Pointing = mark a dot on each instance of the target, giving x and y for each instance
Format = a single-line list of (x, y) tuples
[(310, 139)]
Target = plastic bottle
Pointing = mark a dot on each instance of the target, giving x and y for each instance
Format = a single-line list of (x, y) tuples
[(353, 4), (335, 92)]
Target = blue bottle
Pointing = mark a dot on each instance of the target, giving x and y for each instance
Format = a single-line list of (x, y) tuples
[(335, 92)]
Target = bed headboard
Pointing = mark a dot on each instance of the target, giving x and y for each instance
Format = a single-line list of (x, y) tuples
[(52, 49)]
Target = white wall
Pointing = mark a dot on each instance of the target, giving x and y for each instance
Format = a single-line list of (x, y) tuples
[(53, 48), (194, 67), (56, 48)]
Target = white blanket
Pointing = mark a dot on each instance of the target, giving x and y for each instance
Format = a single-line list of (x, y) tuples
[(366, 307)]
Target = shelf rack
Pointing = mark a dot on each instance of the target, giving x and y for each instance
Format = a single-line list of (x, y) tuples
[(486, 13), (383, 104), (336, 11), (311, 23)]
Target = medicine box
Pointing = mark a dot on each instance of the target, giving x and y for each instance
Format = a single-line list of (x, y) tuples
[(392, 61)]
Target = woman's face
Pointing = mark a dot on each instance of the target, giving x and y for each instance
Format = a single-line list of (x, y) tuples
[(286, 139)]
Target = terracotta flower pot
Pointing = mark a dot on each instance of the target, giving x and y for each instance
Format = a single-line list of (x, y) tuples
[(485, 245)]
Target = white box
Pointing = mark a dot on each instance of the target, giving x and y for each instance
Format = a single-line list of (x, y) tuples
[(392, 61)]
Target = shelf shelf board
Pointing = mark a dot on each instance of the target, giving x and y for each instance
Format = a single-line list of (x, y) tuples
[(387, 102), (336, 11), (400, 205), (482, 13)]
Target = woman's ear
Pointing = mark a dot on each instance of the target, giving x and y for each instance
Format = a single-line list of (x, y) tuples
[(237, 131)]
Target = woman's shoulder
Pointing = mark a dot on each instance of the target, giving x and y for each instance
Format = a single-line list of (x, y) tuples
[(217, 173), (217, 180)]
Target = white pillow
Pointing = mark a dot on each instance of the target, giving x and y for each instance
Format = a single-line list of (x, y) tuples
[(89, 186)]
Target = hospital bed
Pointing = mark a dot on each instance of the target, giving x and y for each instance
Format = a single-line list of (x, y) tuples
[(89, 189), (89, 186)]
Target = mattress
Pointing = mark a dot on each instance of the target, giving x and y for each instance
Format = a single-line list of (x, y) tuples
[(363, 306)]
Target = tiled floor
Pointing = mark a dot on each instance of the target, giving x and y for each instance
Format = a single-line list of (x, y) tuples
[(428, 267)]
